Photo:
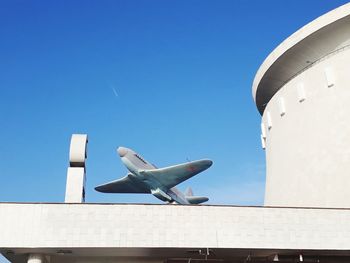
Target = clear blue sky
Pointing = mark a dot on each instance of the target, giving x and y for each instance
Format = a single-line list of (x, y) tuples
[(182, 72)]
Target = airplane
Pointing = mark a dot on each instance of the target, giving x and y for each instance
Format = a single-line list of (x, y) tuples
[(146, 178)]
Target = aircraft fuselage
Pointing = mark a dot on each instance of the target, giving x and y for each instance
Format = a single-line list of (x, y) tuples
[(136, 164)]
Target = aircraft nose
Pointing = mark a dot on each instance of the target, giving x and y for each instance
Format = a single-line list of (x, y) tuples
[(122, 151), (208, 163)]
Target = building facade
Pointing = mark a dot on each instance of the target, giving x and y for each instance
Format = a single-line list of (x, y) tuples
[(302, 91)]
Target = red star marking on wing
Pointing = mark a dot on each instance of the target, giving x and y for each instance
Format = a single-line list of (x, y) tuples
[(191, 169)]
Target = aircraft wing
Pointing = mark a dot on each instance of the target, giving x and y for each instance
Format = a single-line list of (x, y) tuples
[(123, 185), (173, 175)]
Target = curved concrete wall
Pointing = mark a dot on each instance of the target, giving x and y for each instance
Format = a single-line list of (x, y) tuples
[(309, 44), (306, 126)]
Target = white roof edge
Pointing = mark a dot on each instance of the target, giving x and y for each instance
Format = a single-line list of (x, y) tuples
[(297, 37)]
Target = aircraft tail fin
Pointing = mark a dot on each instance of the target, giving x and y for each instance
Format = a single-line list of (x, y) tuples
[(189, 192)]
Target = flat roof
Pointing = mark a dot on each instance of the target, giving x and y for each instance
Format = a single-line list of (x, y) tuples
[(68, 232), (321, 37)]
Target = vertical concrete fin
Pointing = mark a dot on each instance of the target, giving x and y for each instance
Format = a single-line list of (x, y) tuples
[(263, 142), (76, 177), (329, 74), (268, 120), (263, 130), (301, 92), (281, 106)]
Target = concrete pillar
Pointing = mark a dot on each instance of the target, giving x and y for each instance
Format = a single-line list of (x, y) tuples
[(76, 177), (35, 258)]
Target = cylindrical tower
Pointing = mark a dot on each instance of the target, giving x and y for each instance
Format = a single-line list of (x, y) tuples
[(302, 90)]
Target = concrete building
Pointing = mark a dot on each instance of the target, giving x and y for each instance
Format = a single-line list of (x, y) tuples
[(60, 233), (301, 92)]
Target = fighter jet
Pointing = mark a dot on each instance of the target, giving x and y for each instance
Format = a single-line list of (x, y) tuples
[(146, 178)]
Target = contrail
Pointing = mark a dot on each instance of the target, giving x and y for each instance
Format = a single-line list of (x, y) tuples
[(115, 92)]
